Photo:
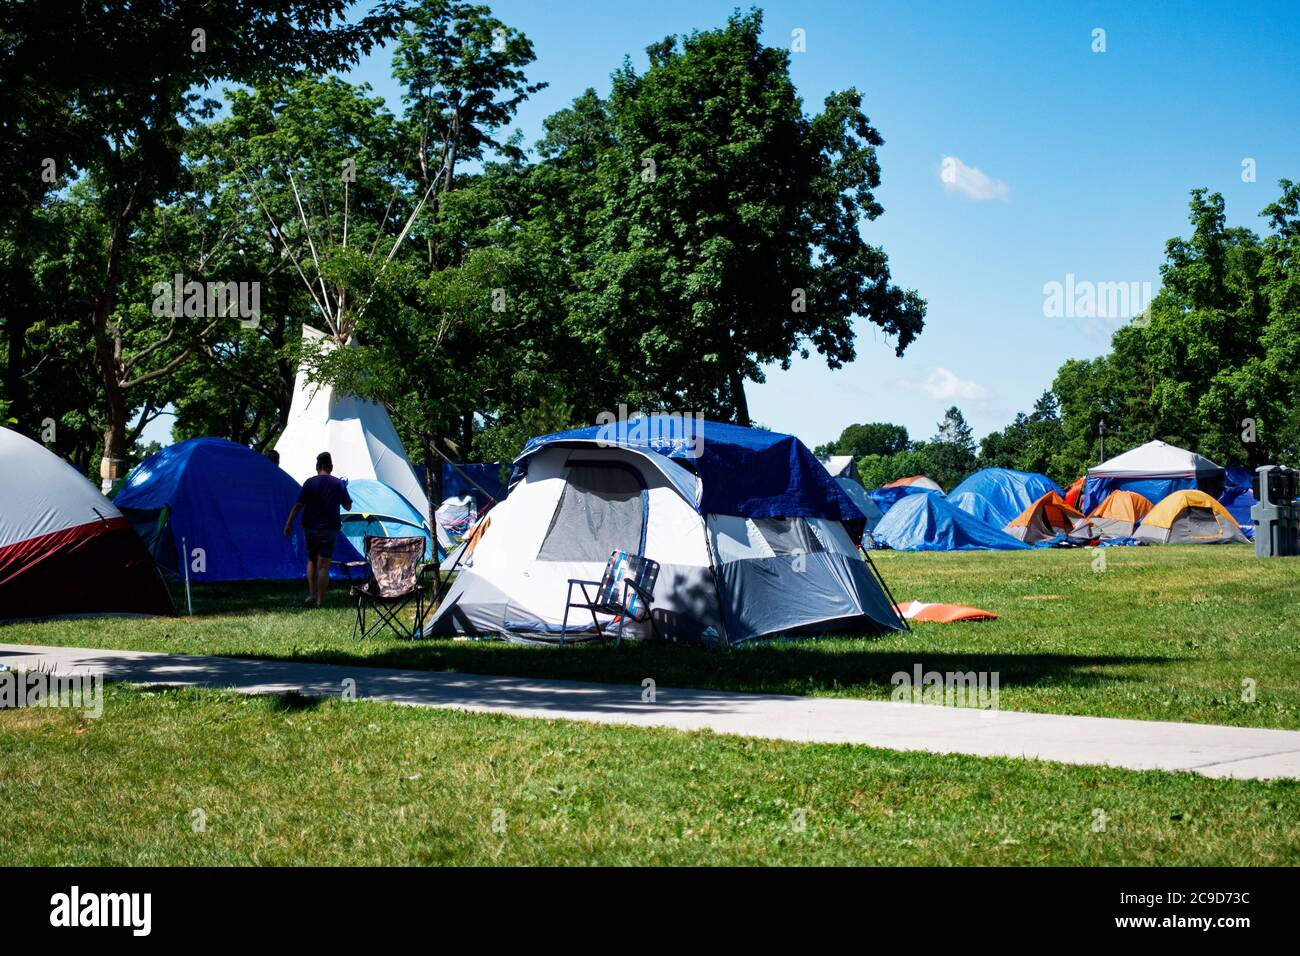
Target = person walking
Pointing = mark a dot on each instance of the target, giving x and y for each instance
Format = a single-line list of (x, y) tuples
[(319, 501)]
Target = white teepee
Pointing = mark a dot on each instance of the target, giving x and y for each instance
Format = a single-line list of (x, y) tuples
[(357, 433)]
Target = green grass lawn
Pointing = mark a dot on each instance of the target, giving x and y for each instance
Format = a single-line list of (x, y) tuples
[(293, 781), (1162, 634)]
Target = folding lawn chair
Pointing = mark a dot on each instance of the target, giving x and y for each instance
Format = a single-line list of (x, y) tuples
[(631, 574), (392, 584)]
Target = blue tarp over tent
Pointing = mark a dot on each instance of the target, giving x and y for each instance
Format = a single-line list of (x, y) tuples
[(931, 523), (977, 506), (1238, 497), (223, 498), (743, 471), (456, 481), (886, 498), (1005, 493), (380, 511)]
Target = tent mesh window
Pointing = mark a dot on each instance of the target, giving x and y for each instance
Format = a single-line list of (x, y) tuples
[(600, 510), (1200, 524), (788, 535)]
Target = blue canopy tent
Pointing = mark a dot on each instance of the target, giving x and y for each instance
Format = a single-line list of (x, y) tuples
[(379, 511), (224, 499), (1002, 493), (932, 523)]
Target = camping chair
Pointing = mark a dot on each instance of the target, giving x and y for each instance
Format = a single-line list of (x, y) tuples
[(631, 574), (392, 583)]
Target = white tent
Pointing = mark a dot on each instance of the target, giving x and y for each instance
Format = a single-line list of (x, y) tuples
[(723, 578), (358, 434), (1155, 458), (840, 466), (844, 470)]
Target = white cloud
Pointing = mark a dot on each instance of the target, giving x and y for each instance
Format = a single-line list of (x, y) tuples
[(972, 183), (943, 386)]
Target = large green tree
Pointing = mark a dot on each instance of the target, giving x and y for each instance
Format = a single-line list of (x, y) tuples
[(120, 124), (872, 438), (728, 228)]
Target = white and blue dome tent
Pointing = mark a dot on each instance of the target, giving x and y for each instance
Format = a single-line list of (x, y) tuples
[(380, 512), (747, 526)]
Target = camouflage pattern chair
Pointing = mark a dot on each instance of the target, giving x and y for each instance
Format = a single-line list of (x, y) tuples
[(392, 584)]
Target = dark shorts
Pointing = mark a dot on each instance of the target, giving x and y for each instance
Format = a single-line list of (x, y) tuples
[(320, 542)]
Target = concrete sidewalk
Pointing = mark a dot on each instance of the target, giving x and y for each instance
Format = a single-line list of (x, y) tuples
[(1208, 749)]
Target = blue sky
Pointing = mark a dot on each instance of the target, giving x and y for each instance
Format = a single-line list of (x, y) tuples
[(1083, 162)]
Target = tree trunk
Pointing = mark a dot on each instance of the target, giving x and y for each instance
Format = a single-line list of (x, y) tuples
[(108, 358), (738, 400), (466, 436), (15, 386), (433, 491)]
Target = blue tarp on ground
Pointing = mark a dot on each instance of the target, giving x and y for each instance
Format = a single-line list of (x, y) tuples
[(223, 498), (743, 471), (1005, 491), (931, 523), (380, 511)]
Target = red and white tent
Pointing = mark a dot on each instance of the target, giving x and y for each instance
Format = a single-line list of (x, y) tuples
[(64, 548)]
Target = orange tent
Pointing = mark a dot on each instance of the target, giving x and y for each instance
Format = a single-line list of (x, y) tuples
[(1045, 518), (1119, 514), (919, 480), (1076, 489)]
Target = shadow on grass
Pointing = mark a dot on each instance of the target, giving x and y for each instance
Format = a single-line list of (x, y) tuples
[(295, 685), (817, 665), (773, 668)]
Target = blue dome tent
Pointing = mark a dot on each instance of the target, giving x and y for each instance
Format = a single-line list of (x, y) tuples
[(223, 498)]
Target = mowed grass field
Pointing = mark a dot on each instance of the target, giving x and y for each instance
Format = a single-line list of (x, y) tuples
[(1161, 633), (199, 777), (1172, 633)]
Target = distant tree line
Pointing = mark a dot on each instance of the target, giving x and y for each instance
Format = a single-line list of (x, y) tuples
[(1213, 365)]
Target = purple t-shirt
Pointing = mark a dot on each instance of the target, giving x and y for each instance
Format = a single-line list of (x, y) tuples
[(321, 497)]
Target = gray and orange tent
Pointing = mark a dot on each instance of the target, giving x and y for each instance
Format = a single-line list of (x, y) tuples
[(1119, 515), (915, 481), (1189, 516), (1047, 517)]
